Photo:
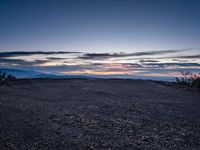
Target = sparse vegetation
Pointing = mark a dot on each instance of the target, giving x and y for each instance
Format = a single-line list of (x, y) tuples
[(189, 79), (4, 77)]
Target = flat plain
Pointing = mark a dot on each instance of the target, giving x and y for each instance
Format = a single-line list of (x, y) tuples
[(98, 114)]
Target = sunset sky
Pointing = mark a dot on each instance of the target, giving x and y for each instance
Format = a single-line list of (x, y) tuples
[(119, 38)]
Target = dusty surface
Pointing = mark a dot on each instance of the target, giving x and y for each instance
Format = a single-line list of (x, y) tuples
[(97, 114)]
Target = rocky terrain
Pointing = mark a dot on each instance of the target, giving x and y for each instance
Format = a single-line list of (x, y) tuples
[(89, 114)]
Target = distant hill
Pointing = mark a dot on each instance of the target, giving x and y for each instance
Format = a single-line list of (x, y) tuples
[(20, 73), (36, 74)]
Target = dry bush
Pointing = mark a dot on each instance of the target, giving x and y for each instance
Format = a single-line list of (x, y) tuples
[(190, 79), (4, 77)]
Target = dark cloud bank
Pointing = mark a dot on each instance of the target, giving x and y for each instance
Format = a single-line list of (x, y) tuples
[(108, 55), (22, 53)]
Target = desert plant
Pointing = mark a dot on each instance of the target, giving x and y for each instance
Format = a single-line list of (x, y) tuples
[(190, 79), (11, 77), (196, 81), (185, 78), (6, 77), (2, 76)]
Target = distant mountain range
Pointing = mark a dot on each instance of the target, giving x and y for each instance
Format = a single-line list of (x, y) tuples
[(20, 74)]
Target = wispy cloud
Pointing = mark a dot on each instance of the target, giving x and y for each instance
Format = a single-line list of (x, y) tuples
[(22, 53), (114, 55), (120, 64), (147, 61), (21, 62), (174, 64), (55, 58), (189, 56)]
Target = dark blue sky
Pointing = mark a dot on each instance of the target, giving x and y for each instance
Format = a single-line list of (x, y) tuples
[(99, 25)]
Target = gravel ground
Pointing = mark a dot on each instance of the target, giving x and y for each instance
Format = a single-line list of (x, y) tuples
[(49, 114)]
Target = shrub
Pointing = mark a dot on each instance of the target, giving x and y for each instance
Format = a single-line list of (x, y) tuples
[(11, 77), (196, 81), (185, 79), (190, 79), (6, 77), (2, 76)]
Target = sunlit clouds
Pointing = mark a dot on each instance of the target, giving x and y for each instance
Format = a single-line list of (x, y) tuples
[(166, 63)]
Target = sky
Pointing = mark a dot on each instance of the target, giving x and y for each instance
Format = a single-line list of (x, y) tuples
[(99, 25), (101, 37)]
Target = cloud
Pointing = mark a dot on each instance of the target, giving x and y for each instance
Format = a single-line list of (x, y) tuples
[(114, 55), (147, 60), (174, 64), (157, 52), (189, 56), (88, 55), (55, 58), (22, 53), (21, 62), (93, 63)]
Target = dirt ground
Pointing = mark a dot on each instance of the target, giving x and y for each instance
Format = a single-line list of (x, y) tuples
[(50, 114)]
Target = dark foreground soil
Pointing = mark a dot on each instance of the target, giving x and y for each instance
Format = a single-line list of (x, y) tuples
[(49, 114)]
